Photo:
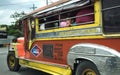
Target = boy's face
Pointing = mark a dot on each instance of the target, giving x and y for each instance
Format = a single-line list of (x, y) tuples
[(68, 22)]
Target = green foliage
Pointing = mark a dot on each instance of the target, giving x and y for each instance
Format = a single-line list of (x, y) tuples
[(3, 25), (17, 15), (14, 31)]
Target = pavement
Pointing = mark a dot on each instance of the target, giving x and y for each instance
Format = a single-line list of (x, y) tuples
[(23, 71)]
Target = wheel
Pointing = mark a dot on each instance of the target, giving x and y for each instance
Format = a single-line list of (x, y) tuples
[(86, 68), (12, 62)]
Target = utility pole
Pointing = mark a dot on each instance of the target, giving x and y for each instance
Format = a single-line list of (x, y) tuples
[(46, 2), (33, 7)]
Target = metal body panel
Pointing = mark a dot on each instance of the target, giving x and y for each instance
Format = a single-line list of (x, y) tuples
[(46, 67), (106, 59)]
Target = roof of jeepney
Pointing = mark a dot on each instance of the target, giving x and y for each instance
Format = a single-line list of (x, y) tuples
[(59, 5), (48, 6), (56, 6)]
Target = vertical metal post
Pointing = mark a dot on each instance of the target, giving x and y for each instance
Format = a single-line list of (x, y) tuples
[(33, 7), (46, 2)]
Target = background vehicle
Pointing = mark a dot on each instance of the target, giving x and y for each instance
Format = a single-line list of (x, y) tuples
[(3, 35), (87, 48)]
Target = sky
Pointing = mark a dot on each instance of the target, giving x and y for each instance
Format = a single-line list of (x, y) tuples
[(9, 7)]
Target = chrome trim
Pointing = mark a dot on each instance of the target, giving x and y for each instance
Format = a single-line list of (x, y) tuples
[(11, 47), (106, 59), (92, 54)]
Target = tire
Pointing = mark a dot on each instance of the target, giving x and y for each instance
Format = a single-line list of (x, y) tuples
[(12, 62), (86, 68)]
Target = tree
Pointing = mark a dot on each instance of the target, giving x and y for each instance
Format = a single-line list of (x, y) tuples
[(17, 15), (13, 29)]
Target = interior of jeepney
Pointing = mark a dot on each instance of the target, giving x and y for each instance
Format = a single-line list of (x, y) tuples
[(73, 13), (78, 14)]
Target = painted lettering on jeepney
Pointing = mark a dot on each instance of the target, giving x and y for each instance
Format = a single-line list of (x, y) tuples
[(58, 53), (72, 32), (79, 32)]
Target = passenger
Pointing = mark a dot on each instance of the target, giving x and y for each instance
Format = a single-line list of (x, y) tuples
[(68, 23), (83, 17), (73, 23), (42, 26), (65, 23)]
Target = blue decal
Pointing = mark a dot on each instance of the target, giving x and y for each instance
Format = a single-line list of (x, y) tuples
[(36, 51)]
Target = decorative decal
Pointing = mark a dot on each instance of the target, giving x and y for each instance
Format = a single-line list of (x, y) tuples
[(36, 51), (72, 32)]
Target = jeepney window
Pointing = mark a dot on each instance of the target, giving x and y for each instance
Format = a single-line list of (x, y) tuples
[(48, 22), (79, 15), (111, 16), (67, 16)]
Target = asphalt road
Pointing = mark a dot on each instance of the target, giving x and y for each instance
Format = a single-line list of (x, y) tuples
[(23, 71)]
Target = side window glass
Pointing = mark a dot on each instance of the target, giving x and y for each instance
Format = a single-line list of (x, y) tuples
[(111, 16), (75, 17), (42, 23), (67, 17), (49, 22)]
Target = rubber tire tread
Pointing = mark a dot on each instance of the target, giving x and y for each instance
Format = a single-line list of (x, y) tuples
[(86, 65), (16, 67)]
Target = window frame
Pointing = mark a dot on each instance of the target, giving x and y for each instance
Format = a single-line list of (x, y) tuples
[(97, 22)]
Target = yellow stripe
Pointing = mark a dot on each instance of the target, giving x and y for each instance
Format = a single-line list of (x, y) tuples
[(97, 12), (46, 68), (37, 24)]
